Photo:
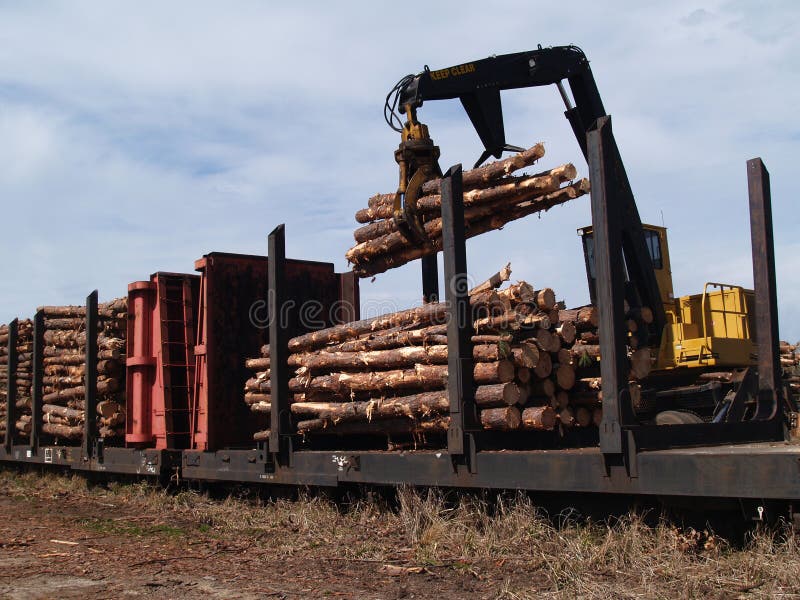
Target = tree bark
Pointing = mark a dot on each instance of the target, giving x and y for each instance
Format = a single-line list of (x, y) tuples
[(541, 418), (399, 426), (63, 431), (387, 359), (494, 282), (423, 377), (489, 219), (505, 418), (585, 317), (417, 316)]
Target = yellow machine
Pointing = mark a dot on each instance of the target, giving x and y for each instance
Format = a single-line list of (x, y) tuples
[(712, 329)]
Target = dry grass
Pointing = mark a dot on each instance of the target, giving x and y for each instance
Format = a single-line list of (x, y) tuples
[(626, 558)]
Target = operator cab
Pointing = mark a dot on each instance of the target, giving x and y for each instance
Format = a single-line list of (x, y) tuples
[(711, 329), (656, 240)]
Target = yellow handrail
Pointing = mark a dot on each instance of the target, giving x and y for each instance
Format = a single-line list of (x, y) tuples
[(724, 310)]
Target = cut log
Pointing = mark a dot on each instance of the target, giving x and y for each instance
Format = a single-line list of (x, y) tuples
[(567, 417), (566, 331), (402, 426), (423, 377), (471, 179), (74, 356), (541, 418), (382, 259), (548, 341), (108, 408), (545, 299), (63, 412), (416, 406), (565, 376), (103, 387), (494, 281), (585, 317), (387, 359), (641, 363), (526, 355), (505, 418), (500, 394), (544, 366), (255, 397), (583, 416), (417, 316), (63, 431), (257, 364)]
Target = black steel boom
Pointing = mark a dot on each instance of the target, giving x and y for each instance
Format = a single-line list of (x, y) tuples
[(478, 84)]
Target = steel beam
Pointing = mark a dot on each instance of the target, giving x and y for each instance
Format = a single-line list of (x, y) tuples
[(90, 378), (610, 287), (430, 278), (769, 369), (460, 381), (11, 389), (280, 422), (349, 299), (38, 375)]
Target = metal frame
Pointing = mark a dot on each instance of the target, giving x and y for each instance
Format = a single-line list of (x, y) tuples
[(769, 369), (464, 422), (631, 458), (88, 445), (38, 378), (280, 441), (11, 390), (430, 278)]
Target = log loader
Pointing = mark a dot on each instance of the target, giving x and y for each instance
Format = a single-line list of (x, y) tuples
[(696, 335)]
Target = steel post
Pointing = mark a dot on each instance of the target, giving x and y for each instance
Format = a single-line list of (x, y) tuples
[(280, 422), (460, 382), (430, 278), (90, 378), (606, 218), (11, 389), (38, 375), (769, 369)]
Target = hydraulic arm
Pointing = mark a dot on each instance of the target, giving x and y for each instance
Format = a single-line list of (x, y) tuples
[(478, 85)]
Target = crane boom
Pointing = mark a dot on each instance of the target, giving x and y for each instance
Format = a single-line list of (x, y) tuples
[(477, 84)]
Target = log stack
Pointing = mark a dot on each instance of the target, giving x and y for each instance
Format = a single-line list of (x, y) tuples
[(24, 376), (492, 198), (790, 364), (64, 365), (388, 375)]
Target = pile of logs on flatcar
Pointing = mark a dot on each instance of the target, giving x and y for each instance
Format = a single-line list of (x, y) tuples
[(23, 380), (65, 364), (493, 197), (790, 364), (535, 368)]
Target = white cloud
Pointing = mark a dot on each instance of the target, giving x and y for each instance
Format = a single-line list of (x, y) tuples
[(136, 139)]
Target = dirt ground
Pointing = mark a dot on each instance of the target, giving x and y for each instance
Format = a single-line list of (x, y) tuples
[(63, 538)]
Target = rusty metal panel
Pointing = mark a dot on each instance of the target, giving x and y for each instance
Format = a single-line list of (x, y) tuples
[(233, 325)]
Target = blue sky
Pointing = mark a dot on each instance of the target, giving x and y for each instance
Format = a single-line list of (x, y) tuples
[(137, 137)]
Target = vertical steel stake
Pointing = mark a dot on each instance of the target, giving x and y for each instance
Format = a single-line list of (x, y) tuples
[(90, 378), (280, 422), (769, 369), (430, 278), (606, 218), (38, 374), (11, 390), (460, 382)]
